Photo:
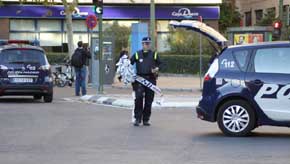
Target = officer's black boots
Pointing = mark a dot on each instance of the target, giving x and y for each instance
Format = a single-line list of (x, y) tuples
[(137, 123), (146, 123)]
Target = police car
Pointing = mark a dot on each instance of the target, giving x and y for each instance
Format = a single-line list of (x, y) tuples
[(24, 70), (246, 86)]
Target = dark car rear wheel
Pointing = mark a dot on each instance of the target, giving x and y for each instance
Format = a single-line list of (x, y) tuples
[(236, 118), (48, 98), (37, 97)]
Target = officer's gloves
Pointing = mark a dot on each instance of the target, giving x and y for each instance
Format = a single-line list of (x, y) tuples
[(155, 70)]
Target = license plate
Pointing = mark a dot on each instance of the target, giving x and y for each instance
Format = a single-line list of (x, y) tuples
[(22, 80)]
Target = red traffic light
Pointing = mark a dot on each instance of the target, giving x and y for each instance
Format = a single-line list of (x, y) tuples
[(277, 24)]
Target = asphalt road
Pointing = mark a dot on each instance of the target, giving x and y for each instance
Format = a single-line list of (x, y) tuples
[(32, 132)]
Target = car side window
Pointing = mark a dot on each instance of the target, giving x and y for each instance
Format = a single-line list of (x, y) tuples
[(241, 57), (227, 61), (272, 60)]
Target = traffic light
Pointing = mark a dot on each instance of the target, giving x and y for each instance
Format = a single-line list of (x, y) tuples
[(98, 6), (277, 28)]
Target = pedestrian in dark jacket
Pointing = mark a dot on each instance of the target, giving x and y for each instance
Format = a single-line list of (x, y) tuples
[(81, 72)]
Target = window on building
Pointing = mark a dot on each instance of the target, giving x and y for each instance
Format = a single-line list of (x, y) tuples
[(79, 26), (50, 39), (84, 37), (248, 18), (259, 15), (285, 11), (22, 25), (49, 25), (271, 11), (22, 36)]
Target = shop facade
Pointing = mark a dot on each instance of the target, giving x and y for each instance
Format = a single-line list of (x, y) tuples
[(47, 23)]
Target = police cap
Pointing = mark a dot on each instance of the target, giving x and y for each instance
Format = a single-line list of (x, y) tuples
[(146, 40)]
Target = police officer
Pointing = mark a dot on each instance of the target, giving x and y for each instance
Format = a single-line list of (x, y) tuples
[(147, 65)]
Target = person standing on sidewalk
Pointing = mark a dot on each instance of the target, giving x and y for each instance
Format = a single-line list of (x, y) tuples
[(87, 62), (147, 65), (122, 53), (79, 60)]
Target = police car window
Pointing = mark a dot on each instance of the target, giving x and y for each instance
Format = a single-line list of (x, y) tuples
[(272, 60), (241, 57), (227, 61), (22, 56)]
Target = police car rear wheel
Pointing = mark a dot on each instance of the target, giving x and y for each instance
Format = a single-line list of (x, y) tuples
[(37, 97), (236, 118), (48, 98)]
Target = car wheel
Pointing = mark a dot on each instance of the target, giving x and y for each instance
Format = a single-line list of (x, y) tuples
[(48, 98), (236, 118), (62, 80), (37, 97), (61, 84)]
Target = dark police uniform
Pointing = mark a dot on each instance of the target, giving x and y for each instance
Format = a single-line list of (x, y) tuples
[(145, 62)]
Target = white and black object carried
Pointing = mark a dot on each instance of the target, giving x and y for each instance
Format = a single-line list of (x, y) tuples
[(128, 73)]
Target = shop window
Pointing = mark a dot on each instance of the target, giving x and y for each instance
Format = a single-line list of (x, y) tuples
[(49, 25), (78, 25), (22, 36), (22, 25), (78, 37), (50, 39)]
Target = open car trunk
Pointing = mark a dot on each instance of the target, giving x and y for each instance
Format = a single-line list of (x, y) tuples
[(204, 29)]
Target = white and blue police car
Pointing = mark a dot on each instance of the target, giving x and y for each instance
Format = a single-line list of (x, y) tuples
[(246, 86), (24, 70)]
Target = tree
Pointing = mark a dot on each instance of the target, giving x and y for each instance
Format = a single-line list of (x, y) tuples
[(69, 8), (120, 35), (229, 16), (186, 42)]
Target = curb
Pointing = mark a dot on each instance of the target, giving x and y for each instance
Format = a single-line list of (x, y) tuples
[(129, 103), (163, 89)]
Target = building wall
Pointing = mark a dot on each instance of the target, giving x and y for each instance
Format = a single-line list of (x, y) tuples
[(142, 1), (253, 5), (51, 32), (4, 30)]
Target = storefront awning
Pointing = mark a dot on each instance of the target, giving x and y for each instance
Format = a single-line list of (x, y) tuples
[(112, 12)]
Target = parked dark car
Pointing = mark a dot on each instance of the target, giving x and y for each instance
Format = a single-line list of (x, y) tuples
[(24, 70)]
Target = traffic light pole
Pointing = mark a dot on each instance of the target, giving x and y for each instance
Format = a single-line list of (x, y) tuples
[(152, 23), (101, 68), (98, 9), (281, 16)]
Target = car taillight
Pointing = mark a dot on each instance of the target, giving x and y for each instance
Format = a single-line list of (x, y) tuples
[(212, 71), (45, 67), (207, 78), (18, 41)]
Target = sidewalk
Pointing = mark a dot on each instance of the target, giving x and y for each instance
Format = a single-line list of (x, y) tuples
[(172, 83), (179, 92)]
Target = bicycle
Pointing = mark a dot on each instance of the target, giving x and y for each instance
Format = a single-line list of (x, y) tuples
[(61, 79)]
